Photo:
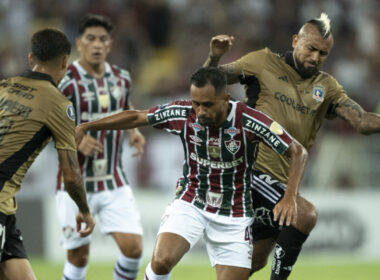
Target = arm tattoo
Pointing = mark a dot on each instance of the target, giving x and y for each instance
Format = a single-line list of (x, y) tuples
[(350, 104)]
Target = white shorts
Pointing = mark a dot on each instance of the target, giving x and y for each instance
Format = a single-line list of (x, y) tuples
[(115, 211), (228, 240)]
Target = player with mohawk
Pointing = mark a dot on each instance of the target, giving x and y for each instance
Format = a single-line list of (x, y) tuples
[(292, 90)]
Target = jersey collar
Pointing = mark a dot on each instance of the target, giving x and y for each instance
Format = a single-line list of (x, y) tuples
[(107, 71), (38, 76)]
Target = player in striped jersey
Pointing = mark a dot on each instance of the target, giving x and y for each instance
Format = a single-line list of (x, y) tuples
[(98, 89), (220, 138), (292, 90)]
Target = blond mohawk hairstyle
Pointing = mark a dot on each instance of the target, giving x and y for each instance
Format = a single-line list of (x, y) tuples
[(324, 18), (323, 24)]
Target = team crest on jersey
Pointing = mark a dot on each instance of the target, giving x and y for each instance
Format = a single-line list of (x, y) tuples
[(232, 131), (318, 93), (104, 100), (232, 146), (214, 151)]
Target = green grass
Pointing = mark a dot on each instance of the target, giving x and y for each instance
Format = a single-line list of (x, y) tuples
[(309, 269)]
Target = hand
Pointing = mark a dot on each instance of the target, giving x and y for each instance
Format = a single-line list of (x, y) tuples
[(88, 220), (220, 44), (89, 146), (137, 140), (286, 210)]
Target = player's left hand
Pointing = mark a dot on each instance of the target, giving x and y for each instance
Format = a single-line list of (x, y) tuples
[(89, 222), (285, 211), (137, 140)]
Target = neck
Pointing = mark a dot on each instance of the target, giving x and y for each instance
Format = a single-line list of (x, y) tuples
[(95, 70), (47, 70)]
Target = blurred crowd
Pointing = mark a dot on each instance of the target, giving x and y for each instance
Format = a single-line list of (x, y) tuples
[(161, 42)]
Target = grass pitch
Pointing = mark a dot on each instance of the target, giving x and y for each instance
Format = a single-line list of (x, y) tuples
[(305, 269)]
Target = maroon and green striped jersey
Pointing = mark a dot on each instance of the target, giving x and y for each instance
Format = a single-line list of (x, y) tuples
[(217, 168), (93, 99)]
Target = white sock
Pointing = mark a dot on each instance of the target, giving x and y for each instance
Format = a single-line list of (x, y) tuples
[(72, 272), (150, 275), (126, 268)]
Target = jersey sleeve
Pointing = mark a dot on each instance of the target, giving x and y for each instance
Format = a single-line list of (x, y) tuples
[(252, 63), (336, 96), (61, 123), (66, 86), (258, 125), (172, 117)]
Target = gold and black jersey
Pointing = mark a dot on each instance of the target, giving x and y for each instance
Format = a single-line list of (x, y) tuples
[(32, 111), (299, 105)]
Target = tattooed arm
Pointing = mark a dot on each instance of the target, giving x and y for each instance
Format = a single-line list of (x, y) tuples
[(219, 45), (74, 186), (364, 122)]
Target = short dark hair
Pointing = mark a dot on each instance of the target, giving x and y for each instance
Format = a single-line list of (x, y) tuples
[(92, 20), (48, 44), (216, 77)]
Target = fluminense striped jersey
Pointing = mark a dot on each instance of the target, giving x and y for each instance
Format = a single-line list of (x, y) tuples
[(218, 161), (94, 99)]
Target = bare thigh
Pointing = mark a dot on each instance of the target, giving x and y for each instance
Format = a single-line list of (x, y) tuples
[(129, 244), (225, 272), (16, 269)]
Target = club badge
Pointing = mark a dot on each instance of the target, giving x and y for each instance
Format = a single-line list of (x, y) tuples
[(232, 146), (318, 93)]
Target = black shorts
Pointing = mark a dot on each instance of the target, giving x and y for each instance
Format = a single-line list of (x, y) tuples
[(11, 245), (266, 192)]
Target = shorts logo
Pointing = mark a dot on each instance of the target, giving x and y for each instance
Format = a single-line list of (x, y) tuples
[(70, 112), (232, 146), (68, 232), (318, 93), (263, 216)]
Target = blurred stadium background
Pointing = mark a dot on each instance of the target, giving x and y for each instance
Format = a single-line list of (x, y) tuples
[(161, 42)]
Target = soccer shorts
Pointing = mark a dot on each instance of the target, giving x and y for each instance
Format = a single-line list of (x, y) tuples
[(266, 192), (11, 245), (228, 239), (115, 211)]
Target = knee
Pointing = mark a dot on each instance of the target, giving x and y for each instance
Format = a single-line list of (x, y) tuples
[(258, 264), (161, 264), (79, 256), (307, 217), (134, 252)]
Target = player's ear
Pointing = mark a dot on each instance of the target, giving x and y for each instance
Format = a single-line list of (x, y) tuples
[(65, 60), (294, 40), (30, 60), (78, 44)]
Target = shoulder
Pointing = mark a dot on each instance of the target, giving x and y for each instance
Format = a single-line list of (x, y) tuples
[(71, 76), (120, 72)]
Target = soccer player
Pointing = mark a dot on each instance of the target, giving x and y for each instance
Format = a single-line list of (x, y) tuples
[(213, 200), (32, 111), (98, 89), (292, 90)]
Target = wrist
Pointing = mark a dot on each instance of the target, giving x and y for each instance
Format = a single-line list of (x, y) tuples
[(213, 57)]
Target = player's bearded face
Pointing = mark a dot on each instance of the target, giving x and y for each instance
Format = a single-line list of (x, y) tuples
[(211, 109), (307, 68)]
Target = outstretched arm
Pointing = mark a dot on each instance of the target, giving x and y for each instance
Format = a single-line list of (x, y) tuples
[(124, 120), (364, 122), (286, 209), (74, 186), (219, 45)]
